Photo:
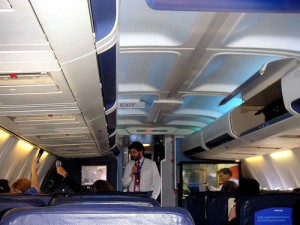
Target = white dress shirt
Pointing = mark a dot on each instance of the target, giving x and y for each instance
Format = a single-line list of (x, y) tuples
[(149, 177)]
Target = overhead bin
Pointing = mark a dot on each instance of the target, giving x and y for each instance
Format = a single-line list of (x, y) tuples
[(277, 103), (219, 132), (111, 122), (193, 144), (271, 106), (104, 22), (107, 67), (104, 17), (112, 143)]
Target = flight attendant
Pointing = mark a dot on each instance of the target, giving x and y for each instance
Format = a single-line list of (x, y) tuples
[(141, 174)]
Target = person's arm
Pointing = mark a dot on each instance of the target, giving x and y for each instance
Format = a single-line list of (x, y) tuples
[(232, 213), (156, 181), (211, 188), (34, 176), (76, 187)]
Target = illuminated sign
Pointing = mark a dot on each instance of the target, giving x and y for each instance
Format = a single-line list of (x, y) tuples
[(273, 216), (131, 105)]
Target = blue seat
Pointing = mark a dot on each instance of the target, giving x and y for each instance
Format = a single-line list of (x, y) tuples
[(217, 205), (46, 198), (106, 200), (9, 203), (196, 206), (89, 214), (112, 193), (275, 208), (199, 204), (296, 212)]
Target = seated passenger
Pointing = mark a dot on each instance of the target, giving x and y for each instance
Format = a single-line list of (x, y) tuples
[(101, 186), (98, 185), (4, 186), (24, 185), (68, 180), (247, 187)]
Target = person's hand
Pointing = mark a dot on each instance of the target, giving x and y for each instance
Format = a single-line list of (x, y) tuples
[(61, 171), (133, 170), (205, 184)]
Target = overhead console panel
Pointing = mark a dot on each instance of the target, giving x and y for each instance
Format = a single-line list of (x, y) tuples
[(63, 54)]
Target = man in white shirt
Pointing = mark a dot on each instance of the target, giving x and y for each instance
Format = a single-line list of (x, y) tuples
[(225, 174), (141, 174)]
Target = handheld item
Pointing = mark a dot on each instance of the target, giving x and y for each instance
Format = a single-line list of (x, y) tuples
[(58, 163), (41, 151)]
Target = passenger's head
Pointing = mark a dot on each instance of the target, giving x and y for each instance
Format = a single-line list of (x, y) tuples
[(248, 187), (296, 190), (21, 185), (225, 174), (4, 186), (136, 150), (229, 187), (101, 186)]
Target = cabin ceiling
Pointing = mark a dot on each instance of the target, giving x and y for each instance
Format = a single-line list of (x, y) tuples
[(173, 68)]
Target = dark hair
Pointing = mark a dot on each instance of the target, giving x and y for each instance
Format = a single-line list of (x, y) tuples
[(225, 171), (101, 186), (4, 186), (248, 186), (138, 146)]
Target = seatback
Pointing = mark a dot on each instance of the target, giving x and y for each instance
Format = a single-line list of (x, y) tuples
[(46, 198), (106, 200), (199, 203), (296, 212), (8, 203), (196, 206), (275, 208), (217, 209), (89, 214)]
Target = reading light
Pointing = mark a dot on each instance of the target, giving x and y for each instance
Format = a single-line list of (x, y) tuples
[(3, 135), (25, 146), (280, 155), (254, 159), (146, 145), (45, 154)]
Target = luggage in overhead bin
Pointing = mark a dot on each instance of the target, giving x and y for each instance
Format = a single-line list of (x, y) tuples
[(273, 110)]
